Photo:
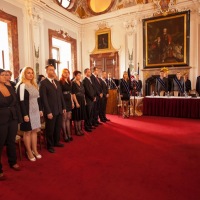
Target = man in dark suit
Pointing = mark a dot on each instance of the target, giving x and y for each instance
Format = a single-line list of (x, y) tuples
[(110, 82), (179, 84), (54, 106), (187, 83), (137, 85), (198, 85), (98, 89), (90, 97), (103, 100), (161, 83)]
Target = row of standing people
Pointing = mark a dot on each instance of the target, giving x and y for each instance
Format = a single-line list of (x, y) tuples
[(54, 100)]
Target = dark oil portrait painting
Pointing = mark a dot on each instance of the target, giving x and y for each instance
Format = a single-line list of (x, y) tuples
[(166, 40), (103, 41)]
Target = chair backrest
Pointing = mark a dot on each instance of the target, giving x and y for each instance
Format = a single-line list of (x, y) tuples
[(162, 93), (176, 93)]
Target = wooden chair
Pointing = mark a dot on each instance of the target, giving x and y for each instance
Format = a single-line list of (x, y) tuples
[(176, 93), (43, 135), (162, 93), (18, 142), (39, 135)]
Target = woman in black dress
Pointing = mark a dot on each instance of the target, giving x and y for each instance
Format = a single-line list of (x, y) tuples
[(10, 116), (8, 79), (78, 94), (125, 94), (66, 87)]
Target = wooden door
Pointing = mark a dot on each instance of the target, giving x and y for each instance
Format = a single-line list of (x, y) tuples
[(106, 62)]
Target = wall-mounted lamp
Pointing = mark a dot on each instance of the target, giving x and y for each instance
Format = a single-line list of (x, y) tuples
[(94, 63), (113, 62)]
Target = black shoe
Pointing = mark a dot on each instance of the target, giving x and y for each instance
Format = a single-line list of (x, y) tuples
[(108, 120), (51, 150), (92, 127), (99, 123), (95, 125), (66, 139), (15, 167), (59, 145), (71, 138), (79, 134), (88, 130), (103, 120)]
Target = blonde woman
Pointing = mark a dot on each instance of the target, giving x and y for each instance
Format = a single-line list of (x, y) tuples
[(125, 94), (28, 94)]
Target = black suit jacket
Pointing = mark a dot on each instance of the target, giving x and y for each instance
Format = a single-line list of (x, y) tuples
[(137, 85), (51, 98), (13, 108), (104, 88), (160, 87), (97, 85), (111, 84), (90, 92), (198, 85)]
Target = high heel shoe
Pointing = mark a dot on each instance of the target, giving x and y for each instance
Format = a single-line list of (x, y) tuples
[(37, 156), (66, 139), (31, 159)]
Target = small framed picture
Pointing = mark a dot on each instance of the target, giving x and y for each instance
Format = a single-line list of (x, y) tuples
[(103, 39)]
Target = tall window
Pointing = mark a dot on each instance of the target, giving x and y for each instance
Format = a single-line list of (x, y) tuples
[(9, 49), (4, 46), (61, 52)]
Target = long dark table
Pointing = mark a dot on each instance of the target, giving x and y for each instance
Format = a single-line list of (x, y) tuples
[(172, 107)]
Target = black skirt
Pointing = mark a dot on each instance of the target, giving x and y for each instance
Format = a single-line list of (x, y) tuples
[(79, 113)]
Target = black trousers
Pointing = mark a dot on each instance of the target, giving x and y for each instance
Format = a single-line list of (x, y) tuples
[(96, 108), (7, 137), (53, 128), (102, 111), (89, 115)]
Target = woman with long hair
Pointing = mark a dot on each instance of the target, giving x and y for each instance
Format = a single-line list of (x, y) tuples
[(78, 94), (28, 94), (66, 87), (125, 94), (10, 117)]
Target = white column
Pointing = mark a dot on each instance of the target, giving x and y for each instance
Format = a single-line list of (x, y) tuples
[(130, 27)]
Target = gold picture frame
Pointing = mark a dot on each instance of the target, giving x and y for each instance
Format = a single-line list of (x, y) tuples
[(166, 40), (103, 41)]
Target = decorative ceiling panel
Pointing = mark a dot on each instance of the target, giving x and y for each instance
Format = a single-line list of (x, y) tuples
[(86, 8)]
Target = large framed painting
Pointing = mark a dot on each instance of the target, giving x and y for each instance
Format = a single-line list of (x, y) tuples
[(166, 40)]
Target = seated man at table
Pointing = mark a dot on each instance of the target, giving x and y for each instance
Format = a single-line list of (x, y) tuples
[(161, 84), (178, 84), (187, 83)]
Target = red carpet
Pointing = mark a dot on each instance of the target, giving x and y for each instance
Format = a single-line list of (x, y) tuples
[(143, 158)]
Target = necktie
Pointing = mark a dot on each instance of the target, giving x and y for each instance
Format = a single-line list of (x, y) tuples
[(90, 80), (97, 79), (54, 84)]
